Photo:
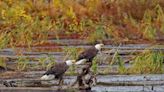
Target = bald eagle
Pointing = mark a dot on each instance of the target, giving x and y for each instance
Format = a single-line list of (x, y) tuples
[(89, 54), (57, 71)]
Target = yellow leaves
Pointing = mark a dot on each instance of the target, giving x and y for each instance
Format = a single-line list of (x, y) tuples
[(160, 17), (3, 14), (3, 40), (57, 3), (147, 18), (92, 5), (14, 15), (70, 13), (27, 18), (149, 32), (9, 1), (20, 13), (66, 7)]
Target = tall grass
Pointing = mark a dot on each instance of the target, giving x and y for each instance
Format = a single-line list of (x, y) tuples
[(46, 62), (95, 65), (2, 62), (71, 53), (22, 63), (117, 59), (148, 62)]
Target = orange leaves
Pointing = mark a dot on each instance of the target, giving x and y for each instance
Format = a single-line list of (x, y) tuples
[(121, 19)]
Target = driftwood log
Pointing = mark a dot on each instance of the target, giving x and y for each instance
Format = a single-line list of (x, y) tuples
[(86, 78)]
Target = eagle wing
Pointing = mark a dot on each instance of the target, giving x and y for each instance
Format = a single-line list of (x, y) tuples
[(88, 53), (58, 69)]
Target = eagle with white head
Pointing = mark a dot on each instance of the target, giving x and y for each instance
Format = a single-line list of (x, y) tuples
[(57, 71), (89, 54)]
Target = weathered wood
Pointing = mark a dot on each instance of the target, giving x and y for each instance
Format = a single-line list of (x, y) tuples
[(109, 83), (107, 47), (94, 89), (132, 83), (129, 88), (69, 42), (101, 69), (151, 82), (86, 78), (117, 80), (119, 88), (37, 89), (125, 51)]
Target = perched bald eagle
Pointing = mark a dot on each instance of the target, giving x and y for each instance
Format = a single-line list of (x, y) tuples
[(57, 71), (89, 54)]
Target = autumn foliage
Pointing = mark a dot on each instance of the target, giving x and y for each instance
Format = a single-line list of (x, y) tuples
[(30, 22)]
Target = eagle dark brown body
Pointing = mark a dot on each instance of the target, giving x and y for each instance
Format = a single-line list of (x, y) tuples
[(57, 71), (88, 54)]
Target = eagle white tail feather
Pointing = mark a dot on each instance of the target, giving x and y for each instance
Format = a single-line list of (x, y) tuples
[(82, 61), (47, 77)]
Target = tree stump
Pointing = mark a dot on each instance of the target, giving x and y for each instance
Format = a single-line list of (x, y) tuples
[(86, 78)]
